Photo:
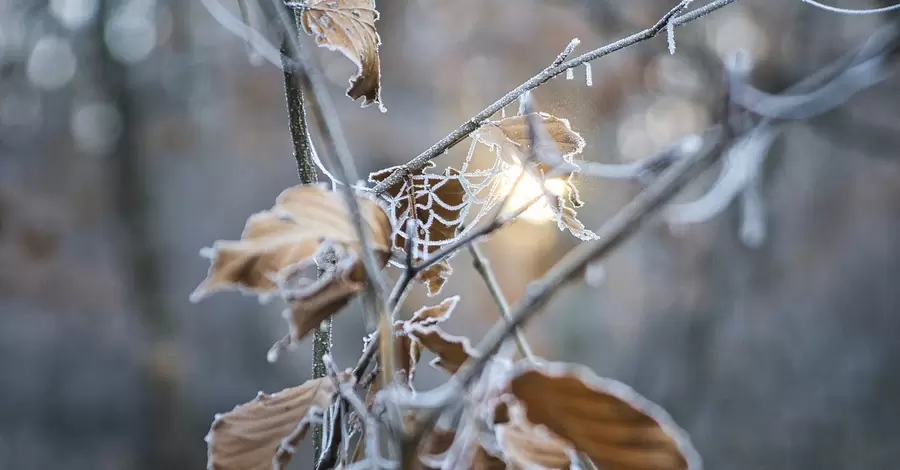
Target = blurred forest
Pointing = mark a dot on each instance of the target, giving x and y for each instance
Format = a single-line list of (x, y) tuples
[(135, 132)]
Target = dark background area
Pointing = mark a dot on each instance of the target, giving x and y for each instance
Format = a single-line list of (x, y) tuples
[(135, 132)]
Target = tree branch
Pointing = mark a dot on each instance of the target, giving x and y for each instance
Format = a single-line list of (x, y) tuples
[(545, 75), (482, 265)]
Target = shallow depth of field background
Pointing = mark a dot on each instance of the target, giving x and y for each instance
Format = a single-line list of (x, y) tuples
[(135, 132)]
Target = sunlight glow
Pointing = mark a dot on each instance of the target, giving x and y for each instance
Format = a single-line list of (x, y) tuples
[(528, 189)]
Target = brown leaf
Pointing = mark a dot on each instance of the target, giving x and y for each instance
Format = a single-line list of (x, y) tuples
[(527, 446), (305, 248), (427, 316), (435, 276), (348, 26), (485, 461), (509, 137), (607, 420), (249, 437), (436, 443), (452, 351), (442, 218)]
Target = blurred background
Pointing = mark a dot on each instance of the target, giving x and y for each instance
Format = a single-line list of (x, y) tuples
[(135, 132)]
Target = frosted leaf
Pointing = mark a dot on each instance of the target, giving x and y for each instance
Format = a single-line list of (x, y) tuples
[(259, 434), (305, 249), (602, 418), (588, 74), (570, 74), (348, 26)]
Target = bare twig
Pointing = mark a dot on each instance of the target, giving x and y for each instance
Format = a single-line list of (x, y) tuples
[(545, 75), (482, 265)]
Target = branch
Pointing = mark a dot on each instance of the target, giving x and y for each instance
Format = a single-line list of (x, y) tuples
[(545, 75), (482, 265)]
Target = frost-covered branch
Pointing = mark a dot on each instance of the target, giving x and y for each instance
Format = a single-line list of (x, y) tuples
[(545, 75)]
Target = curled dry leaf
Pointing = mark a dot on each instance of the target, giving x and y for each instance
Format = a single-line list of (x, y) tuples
[(605, 419), (305, 249), (436, 202), (261, 434), (451, 351), (483, 460), (434, 277), (348, 26), (525, 445), (407, 349), (510, 137)]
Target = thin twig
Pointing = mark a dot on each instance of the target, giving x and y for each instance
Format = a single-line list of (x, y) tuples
[(482, 265), (545, 75)]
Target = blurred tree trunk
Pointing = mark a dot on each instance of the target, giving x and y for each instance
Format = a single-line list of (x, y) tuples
[(163, 439)]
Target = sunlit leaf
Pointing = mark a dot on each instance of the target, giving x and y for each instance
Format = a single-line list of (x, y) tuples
[(510, 136), (260, 434), (605, 419), (305, 249), (348, 26)]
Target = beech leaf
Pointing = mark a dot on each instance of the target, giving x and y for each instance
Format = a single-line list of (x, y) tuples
[(451, 351), (261, 434), (304, 248), (525, 445), (348, 26), (605, 419), (510, 137)]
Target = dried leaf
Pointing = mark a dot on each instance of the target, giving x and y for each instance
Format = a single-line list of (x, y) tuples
[(407, 349), (510, 137), (452, 351), (305, 248), (438, 205), (485, 461), (260, 434), (607, 420), (435, 444), (435, 276), (427, 316), (348, 26), (526, 446)]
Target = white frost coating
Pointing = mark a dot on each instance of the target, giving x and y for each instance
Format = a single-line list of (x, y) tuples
[(570, 74), (523, 101), (670, 37), (588, 74)]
